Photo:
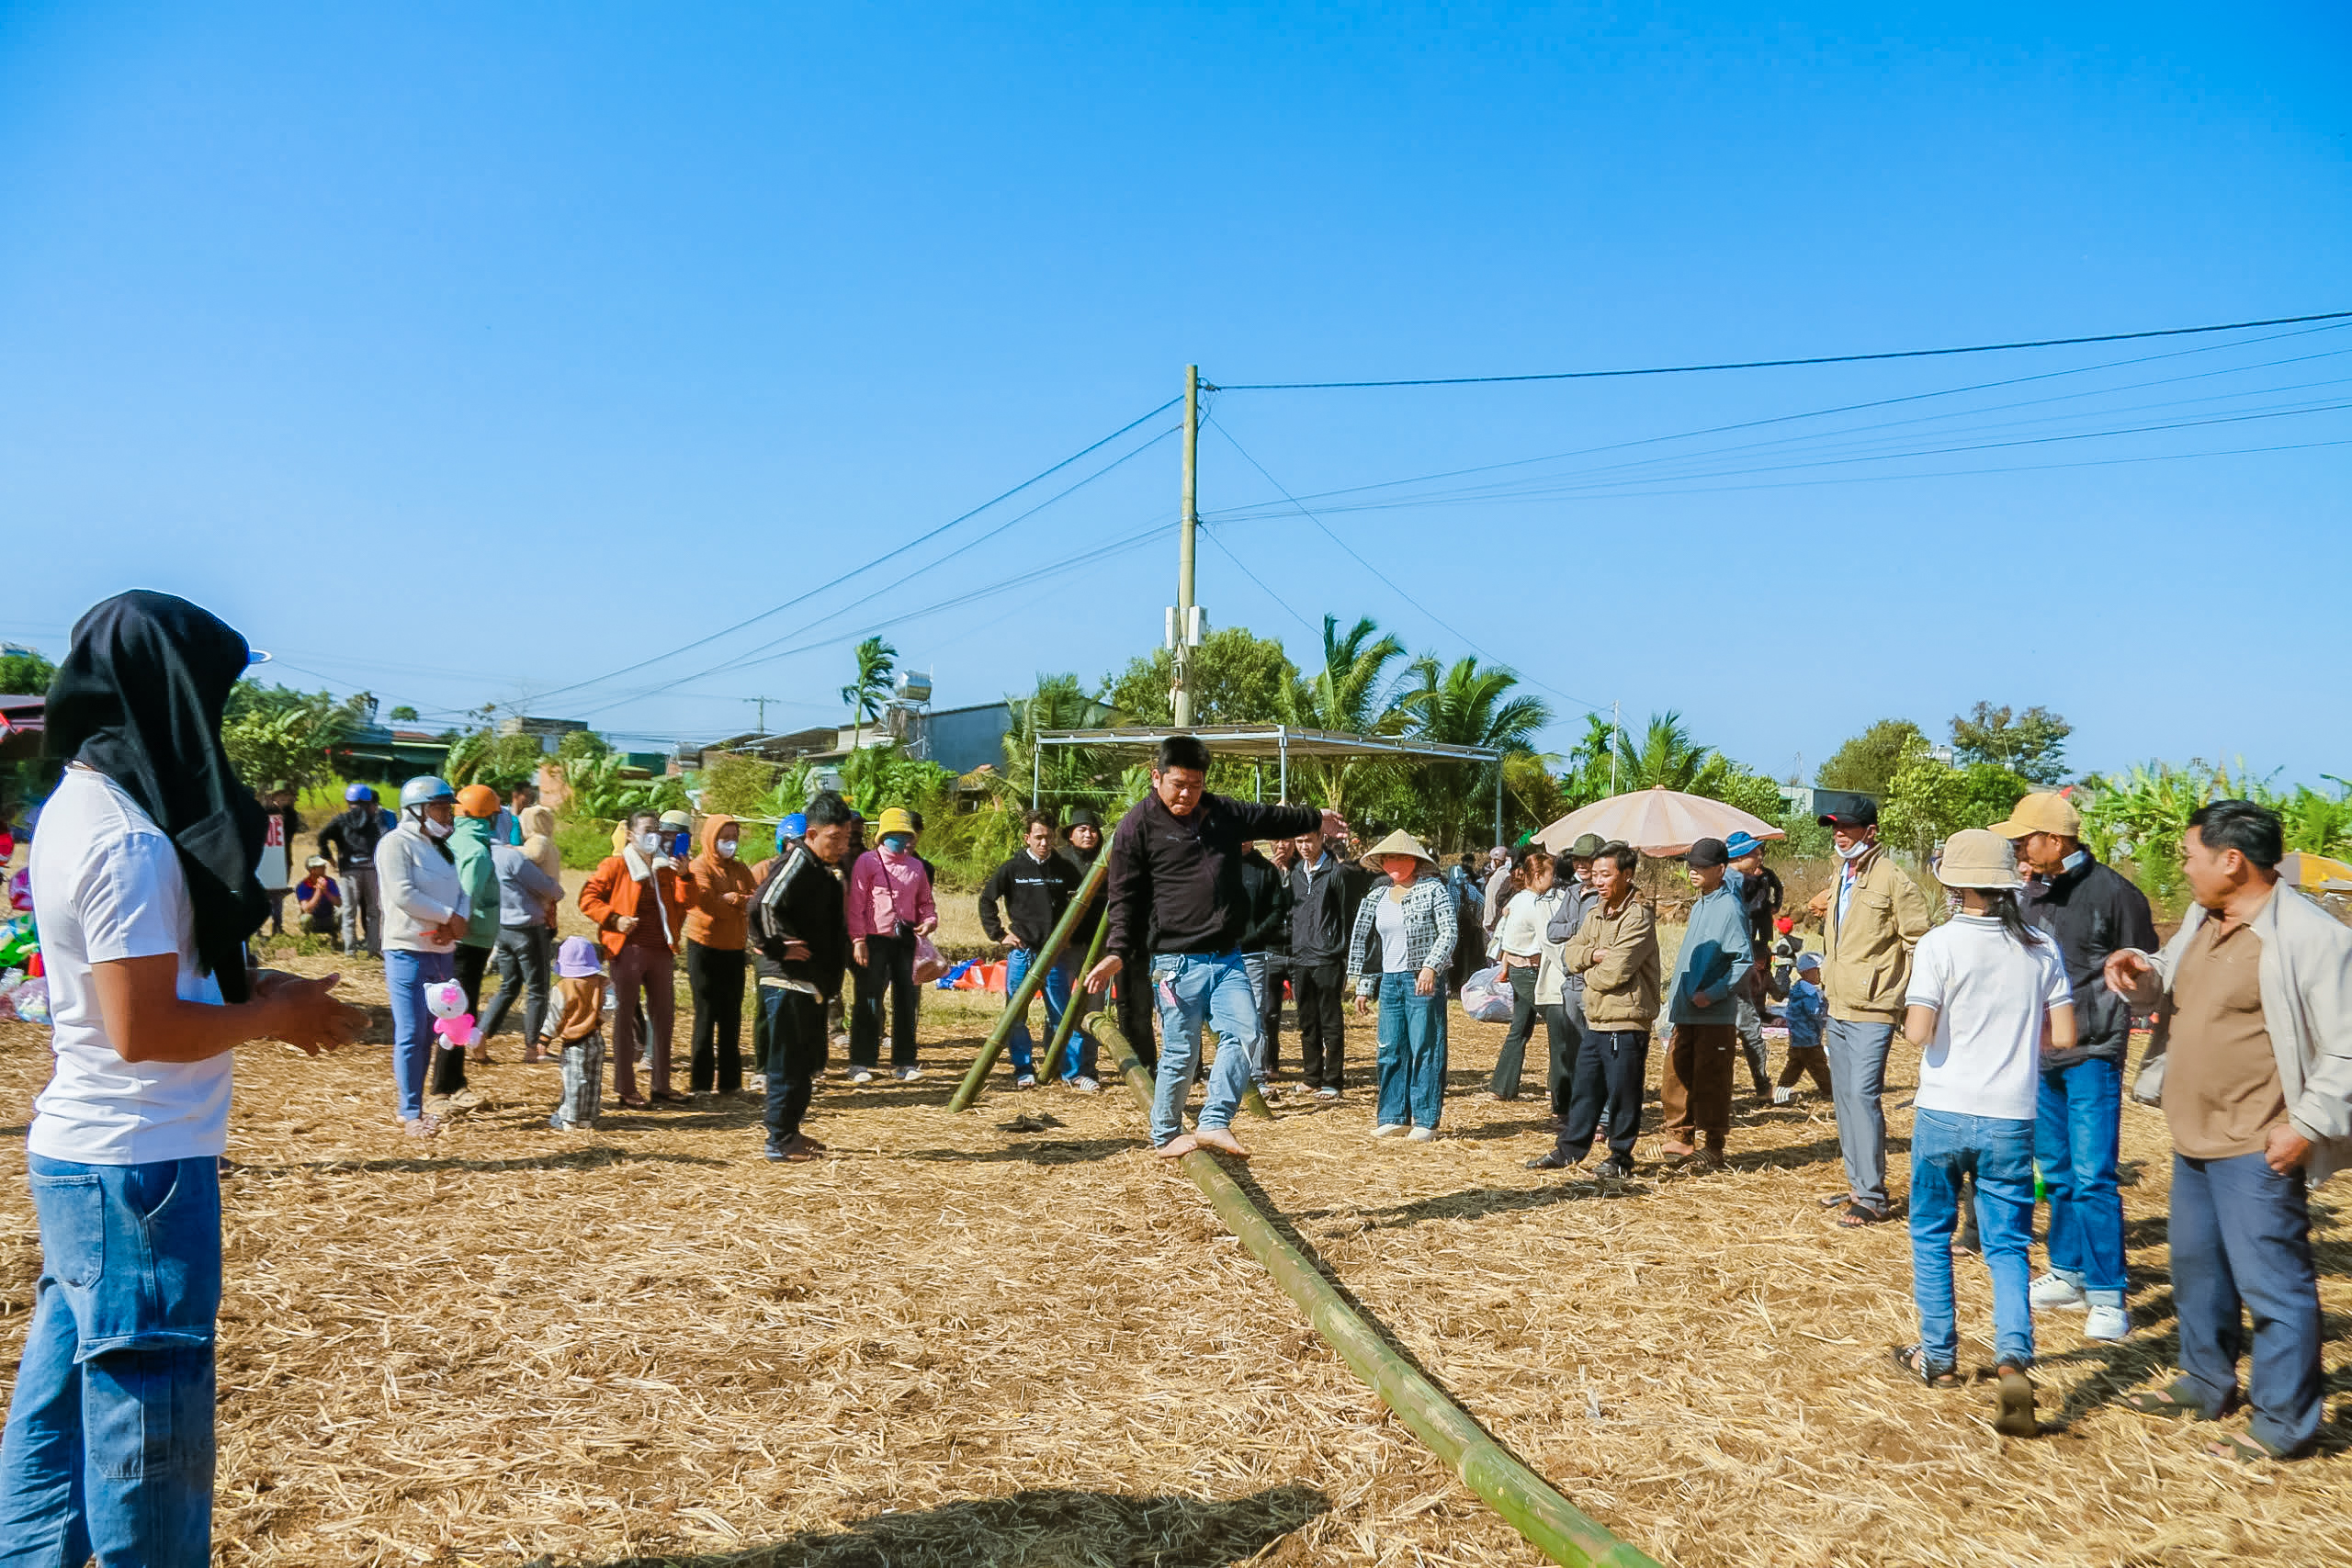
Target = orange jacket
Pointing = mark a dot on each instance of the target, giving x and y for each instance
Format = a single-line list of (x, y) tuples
[(713, 921), (610, 894)]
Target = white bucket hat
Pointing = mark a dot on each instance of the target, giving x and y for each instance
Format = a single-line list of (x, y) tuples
[(1978, 857)]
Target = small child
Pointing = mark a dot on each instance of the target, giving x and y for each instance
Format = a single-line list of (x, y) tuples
[(580, 1033), (1806, 1010)]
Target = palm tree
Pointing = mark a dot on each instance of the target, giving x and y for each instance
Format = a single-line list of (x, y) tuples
[(875, 660), (1465, 705), (1347, 694)]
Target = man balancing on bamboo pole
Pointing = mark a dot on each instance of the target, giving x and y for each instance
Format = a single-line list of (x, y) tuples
[(1176, 892)]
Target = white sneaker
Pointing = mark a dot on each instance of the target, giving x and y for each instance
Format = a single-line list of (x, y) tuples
[(1027, 1080), (2054, 1290), (2108, 1321), (1420, 1134), (1387, 1128), (1782, 1096), (909, 1075), (859, 1074), (1085, 1085), (1327, 1094)]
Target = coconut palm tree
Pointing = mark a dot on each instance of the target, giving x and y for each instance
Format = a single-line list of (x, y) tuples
[(1350, 693), (875, 660), (1465, 703)]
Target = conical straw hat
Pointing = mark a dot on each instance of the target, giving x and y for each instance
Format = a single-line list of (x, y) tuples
[(1399, 842)]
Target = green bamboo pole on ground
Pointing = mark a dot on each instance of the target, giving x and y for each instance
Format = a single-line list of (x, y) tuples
[(1018, 1002), (1077, 996), (1549, 1521)]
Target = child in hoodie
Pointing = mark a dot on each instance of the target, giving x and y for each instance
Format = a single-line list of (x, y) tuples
[(717, 928), (580, 1035)]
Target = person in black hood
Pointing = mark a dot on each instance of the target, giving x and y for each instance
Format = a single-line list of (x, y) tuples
[(142, 880)]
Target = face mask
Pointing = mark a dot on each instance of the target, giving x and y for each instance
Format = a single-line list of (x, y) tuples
[(1860, 847), (649, 843), (434, 829), (725, 849), (896, 842)]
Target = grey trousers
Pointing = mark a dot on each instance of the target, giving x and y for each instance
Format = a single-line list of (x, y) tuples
[(1857, 1078), (583, 1082), (1750, 1024), (363, 910)]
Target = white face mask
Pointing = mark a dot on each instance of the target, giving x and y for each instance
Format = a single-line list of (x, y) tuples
[(434, 829), (649, 843), (727, 848), (1855, 850)]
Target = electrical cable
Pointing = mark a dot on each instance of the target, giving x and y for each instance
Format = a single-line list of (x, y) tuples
[(868, 566), (1779, 364)]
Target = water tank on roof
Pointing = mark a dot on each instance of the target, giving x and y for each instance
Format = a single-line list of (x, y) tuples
[(915, 685)]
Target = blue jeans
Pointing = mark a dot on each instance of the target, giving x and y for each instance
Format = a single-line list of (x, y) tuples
[(1410, 1068), (1192, 988), (2074, 1140), (1078, 1062), (2241, 1237), (405, 977), (109, 1447), (1857, 1078), (1998, 1152)]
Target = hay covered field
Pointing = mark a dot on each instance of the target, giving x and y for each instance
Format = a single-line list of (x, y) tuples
[(1015, 1337)]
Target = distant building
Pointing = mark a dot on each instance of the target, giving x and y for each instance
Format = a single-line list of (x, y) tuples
[(550, 732)]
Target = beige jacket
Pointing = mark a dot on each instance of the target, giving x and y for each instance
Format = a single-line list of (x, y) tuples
[(1621, 990), (2306, 977), (1866, 961)]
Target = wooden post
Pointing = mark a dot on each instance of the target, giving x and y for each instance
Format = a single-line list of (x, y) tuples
[(1525, 1500), (1018, 1002)]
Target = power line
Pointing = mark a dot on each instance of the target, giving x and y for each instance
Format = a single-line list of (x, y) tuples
[(1779, 363), (868, 566)]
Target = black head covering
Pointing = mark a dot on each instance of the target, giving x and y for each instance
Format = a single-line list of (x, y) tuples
[(139, 698)]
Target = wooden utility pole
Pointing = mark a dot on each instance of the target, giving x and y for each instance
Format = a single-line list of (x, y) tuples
[(1182, 696)]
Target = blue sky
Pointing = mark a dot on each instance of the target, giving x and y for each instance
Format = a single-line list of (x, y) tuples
[(471, 352)]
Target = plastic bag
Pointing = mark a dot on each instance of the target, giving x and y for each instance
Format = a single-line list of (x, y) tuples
[(1486, 997), (929, 965)]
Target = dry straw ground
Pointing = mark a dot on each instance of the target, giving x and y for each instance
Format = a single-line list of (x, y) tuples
[(990, 1340)]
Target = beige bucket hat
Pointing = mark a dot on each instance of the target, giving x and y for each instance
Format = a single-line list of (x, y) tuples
[(1399, 842), (1979, 857)]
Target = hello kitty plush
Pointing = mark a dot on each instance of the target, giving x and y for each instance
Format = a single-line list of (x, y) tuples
[(451, 1021)]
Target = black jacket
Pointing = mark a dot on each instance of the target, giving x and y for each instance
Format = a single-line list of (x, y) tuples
[(802, 899), (1760, 896), (1035, 893), (351, 837), (1322, 912), (1176, 881), (2092, 910), (1268, 890)]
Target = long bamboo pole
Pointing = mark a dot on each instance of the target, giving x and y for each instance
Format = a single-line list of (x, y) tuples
[(1018, 1002), (1077, 997), (1549, 1521)]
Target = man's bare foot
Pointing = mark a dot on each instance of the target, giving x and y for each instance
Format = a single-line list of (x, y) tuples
[(1217, 1138), (1178, 1146)]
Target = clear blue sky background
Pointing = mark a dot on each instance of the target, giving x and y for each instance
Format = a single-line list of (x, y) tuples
[(465, 353)]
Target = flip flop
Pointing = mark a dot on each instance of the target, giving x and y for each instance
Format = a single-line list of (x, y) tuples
[(1858, 1216), (2164, 1402), (2239, 1448), (1911, 1360)]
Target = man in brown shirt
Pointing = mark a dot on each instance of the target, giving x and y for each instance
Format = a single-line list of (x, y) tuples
[(2240, 1228)]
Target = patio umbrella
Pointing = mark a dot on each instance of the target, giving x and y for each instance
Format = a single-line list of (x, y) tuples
[(2315, 874), (1659, 821)]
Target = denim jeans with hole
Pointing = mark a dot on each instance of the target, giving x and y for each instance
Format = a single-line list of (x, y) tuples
[(2075, 1139), (1193, 989), (1998, 1152), (109, 1447)]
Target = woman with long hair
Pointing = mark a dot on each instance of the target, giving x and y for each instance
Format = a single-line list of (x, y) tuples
[(143, 884)]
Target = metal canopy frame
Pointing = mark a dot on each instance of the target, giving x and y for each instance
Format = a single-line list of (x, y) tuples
[(1277, 743)]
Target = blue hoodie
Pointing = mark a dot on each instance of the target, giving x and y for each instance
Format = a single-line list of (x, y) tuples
[(1715, 957)]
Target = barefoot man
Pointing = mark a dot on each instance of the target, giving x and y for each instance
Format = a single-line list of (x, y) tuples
[(1176, 892)]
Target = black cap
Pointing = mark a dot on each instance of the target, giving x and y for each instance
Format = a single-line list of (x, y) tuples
[(1863, 813), (1707, 852)]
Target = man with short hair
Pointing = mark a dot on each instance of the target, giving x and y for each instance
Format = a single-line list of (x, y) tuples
[(1322, 915), (1176, 886), (1274, 942), (1265, 942), (1615, 949), (1761, 893), (800, 932), (1036, 886), (349, 841), (1577, 899), (2092, 911), (1874, 916), (1714, 961), (2255, 1080)]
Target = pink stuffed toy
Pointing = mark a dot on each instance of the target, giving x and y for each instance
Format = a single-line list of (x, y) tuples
[(451, 1021)]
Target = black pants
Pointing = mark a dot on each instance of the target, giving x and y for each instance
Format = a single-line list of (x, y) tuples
[(796, 1037), (1322, 1022), (468, 965), (715, 977), (522, 956), (1513, 1055), (1269, 1009), (1565, 1019), (1610, 1068), (1138, 1014), (276, 910), (890, 968)]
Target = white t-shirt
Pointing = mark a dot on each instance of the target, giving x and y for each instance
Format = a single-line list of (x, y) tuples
[(107, 885), (1388, 921), (1990, 997), (1520, 930)]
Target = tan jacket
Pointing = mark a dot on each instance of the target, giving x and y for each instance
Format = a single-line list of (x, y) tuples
[(1866, 962), (1621, 990)]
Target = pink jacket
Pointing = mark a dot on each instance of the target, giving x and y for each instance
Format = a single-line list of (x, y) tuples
[(885, 889)]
